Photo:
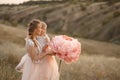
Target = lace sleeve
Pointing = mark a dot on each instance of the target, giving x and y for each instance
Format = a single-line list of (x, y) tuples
[(31, 49), (29, 43)]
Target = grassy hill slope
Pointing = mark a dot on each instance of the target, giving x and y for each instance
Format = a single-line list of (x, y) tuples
[(98, 21), (98, 60)]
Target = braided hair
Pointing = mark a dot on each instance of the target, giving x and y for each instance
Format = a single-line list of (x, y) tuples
[(32, 26)]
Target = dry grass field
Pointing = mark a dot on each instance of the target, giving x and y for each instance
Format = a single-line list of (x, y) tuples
[(98, 60)]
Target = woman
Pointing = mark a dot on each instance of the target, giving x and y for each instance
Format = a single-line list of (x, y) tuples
[(39, 62)]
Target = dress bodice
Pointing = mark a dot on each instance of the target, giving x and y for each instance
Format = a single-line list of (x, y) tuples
[(42, 40)]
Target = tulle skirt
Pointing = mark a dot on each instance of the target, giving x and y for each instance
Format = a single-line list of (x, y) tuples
[(46, 69)]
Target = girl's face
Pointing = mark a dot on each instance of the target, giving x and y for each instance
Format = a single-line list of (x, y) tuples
[(43, 30), (40, 30)]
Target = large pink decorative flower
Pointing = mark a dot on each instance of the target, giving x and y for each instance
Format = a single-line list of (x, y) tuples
[(66, 48)]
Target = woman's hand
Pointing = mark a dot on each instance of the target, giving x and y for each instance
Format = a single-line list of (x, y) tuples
[(40, 56), (49, 51), (46, 51)]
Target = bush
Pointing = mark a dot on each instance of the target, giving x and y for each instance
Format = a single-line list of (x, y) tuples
[(105, 21), (83, 7), (14, 23), (6, 16), (116, 14), (111, 2)]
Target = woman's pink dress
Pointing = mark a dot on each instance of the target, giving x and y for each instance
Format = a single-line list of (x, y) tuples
[(45, 69)]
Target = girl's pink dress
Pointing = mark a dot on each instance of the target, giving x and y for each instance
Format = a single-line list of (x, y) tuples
[(45, 69)]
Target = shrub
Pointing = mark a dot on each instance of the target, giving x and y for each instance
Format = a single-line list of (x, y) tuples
[(105, 21), (83, 7), (116, 14)]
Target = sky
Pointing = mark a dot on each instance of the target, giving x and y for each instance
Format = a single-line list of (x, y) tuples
[(12, 1)]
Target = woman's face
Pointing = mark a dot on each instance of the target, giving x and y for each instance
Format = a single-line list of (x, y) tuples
[(40, 30)]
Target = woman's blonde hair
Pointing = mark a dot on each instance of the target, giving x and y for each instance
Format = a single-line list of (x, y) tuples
[(32, 26)]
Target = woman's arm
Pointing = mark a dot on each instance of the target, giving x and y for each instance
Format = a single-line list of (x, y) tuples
[(31, 52), (40, 56), (46, 52), (35, 56)]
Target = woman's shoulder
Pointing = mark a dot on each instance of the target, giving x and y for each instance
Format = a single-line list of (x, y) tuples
[(29, 41)]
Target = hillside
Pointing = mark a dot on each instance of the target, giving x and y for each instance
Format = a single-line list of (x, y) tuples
[(98, 60), (98, 21)]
